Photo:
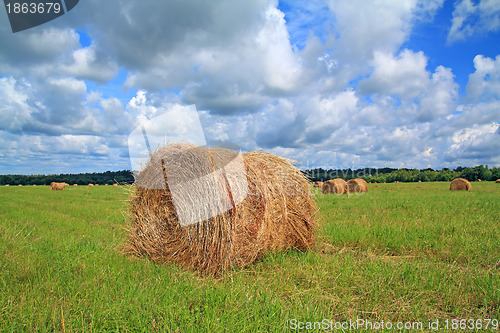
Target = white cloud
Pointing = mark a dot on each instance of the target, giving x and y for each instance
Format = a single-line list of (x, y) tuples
[(14, 109), (427, 9), (282, 70), (484, 83), (404, 76), (366, 26), (88, 64), (472, 18), (327, 115), (440, 97), (475, 143)]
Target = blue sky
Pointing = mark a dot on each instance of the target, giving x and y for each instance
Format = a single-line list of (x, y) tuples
[(333, 84)]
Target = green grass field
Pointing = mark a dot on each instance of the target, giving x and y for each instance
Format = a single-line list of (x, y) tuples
[(400, 253)]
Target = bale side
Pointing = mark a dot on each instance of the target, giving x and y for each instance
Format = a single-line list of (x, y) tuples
[(460, 184), (357, 185), (335, 186), (57, 186), (277, 214)]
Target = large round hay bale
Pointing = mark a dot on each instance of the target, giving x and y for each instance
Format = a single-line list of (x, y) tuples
[(497, 181), (91, 185), (115, 185), (276, 213), (357, 185), (460, 184), (335, 186)]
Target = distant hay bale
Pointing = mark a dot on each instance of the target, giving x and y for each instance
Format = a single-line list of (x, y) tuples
[(91, 185), (57, 186), (460, 184), (419, 181), (479, 180), (19, 185), (497, 181), (318, 184), (357, 185), (75, 185), (7, 185), (335, 186), (34, 185), (96, 184), (276, 212), (115, 185)]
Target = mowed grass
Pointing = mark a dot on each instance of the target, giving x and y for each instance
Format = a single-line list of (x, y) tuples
[(399, 253)]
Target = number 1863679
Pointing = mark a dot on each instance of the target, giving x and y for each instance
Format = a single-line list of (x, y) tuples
[(33, 8)]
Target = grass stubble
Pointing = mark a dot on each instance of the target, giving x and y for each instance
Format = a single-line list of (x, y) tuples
[(398, 253)]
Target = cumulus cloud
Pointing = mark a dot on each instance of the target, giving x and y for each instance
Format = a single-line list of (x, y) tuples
[(366, 26), (440, 96), (88, 63), (475, 143), (484, 83), (423, 96), (324, 82), (60, 106), (472, 18), (404, 76)]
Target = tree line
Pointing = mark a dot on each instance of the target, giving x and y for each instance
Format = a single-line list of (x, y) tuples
[(382, 175), (389, 175), (101, 178)]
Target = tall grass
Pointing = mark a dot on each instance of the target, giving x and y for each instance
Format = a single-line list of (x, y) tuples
[(398, 253)]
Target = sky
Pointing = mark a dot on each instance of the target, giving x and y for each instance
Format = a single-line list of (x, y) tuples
[(332, 84)]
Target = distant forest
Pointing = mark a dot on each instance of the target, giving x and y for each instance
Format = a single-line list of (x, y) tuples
[(108, 177), (389, 175), (383, 175)]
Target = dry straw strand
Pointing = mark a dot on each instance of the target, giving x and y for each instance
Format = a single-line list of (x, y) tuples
[(277, 213)]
